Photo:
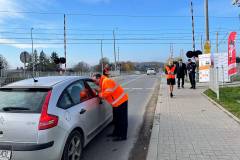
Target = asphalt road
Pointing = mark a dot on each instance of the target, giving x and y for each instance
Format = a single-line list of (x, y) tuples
[(140, 88)]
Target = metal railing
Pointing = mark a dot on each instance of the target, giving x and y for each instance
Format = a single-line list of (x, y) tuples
[(13, 77), (17, 76)]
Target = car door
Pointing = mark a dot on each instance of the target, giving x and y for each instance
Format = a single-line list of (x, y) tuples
[(105, 109), (79, 111)]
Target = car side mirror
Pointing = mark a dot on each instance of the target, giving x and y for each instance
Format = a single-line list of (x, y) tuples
[(83, 95)]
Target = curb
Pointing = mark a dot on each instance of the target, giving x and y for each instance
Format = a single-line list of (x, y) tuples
[(222, 108), (153, 144)]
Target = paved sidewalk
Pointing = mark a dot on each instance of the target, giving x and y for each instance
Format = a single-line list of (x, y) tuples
[(189, 127)]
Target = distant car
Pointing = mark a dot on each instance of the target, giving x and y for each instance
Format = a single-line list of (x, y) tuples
[(52, 119), (151, 71)]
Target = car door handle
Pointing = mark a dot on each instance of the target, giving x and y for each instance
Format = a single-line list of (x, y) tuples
[(83, 111)]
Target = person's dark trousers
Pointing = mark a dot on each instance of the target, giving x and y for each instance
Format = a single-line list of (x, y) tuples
[(114, 121), (180, 79), (192, 79), (121, 125)]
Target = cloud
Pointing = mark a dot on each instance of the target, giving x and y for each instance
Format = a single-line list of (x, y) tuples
[(9, 5), (95, 1), (21, 45), (12, 8), (11, 11)]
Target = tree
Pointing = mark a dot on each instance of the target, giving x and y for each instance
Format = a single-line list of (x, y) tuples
[(98, 67), (127, 66), (3, 65), (54, 55), (33, 60), (52, 66), (43, 61), (81, 67)]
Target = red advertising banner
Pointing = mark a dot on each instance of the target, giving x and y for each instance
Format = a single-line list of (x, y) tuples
[(232, 67)]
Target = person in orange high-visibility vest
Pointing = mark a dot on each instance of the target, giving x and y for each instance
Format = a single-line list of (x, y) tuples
[(170, 71), (114, 94), (106, 70)]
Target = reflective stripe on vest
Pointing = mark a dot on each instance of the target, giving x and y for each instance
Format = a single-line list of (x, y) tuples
[(170, 71), (119, 98)]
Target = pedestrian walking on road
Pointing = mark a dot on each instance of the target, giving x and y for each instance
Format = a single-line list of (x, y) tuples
[(181, 72), (170, 72), (191, 67), (114, 94)]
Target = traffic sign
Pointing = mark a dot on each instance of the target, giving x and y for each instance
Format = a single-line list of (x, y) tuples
[(25, 57), (207, 47)]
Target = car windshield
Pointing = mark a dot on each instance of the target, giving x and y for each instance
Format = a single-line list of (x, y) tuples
[(22, 100)]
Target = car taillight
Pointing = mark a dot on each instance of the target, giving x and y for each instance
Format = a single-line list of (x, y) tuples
[(47, 121)]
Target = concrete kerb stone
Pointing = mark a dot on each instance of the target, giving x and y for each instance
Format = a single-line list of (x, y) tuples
[(222, 108), (153, 146)]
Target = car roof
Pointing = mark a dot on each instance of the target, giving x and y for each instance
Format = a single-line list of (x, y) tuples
[(43, 82)]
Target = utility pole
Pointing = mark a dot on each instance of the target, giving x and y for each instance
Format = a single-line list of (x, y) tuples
[(118, 58), (207, 20), (181, 53), (114, 48), (193, 33), (217, 42), (102, 55), (65, 43), (33, 57), (171, 51)]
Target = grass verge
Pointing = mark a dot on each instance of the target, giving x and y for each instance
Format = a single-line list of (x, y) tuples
[(229, 99)]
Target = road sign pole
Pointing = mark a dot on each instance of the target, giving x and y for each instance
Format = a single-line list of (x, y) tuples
[(102, 56), (65, 43), (193, 34)]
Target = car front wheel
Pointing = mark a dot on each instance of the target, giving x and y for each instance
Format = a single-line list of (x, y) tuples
[(73, 148)]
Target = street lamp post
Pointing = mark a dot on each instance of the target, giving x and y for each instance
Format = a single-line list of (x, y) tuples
[(207, 20), (33, 57)]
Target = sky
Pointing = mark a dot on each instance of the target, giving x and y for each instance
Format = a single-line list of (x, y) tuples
[(144, 29)]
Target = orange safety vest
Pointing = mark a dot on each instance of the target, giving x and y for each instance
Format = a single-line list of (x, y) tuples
[(101, 81), (113, 93), (170, 72)]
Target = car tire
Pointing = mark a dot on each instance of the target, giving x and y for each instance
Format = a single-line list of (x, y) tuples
[(73, 146)]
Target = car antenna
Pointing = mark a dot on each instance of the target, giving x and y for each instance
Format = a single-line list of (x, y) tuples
[(34, 80)]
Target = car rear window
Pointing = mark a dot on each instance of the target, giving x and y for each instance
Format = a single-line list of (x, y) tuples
[(22, 100)]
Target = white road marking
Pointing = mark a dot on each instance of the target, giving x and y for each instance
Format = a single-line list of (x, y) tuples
[(138, 88), (124, 84)]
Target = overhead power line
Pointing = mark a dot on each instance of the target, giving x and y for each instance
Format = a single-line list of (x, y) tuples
[(61, 43), (111, 15), (99, 39)]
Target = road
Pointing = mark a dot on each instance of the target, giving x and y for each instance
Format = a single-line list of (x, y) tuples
[(140, 88)]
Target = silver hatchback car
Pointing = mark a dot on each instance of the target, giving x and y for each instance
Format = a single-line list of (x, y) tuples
[(52, 118)]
